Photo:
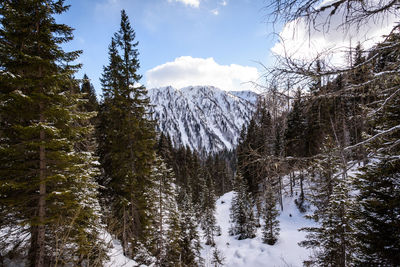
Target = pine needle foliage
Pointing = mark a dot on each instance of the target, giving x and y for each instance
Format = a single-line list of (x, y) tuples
[(48, 196)]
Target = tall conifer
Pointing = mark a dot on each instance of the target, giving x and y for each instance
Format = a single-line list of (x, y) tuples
[(126, 141), (46, 185)]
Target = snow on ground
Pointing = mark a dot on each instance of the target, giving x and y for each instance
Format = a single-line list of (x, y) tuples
[(254, 253), (115, 253)]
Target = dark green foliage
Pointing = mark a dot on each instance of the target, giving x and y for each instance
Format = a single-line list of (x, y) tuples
[(220, 168), (333, 239), (126, 142), (378, 221), (270, 214), (242, 215), (378, 213), (190, 240), (217, 258), (207, 209), (48, 196), (166, 232), (295, 129), (255, 142), (89, 94)]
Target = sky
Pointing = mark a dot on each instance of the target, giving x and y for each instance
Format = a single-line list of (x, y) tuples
[(223, 43), (330, 41), (181, 42)]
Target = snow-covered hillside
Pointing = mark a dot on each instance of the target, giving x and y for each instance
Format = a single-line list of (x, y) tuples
[(254, 253), (246, 95), (201, 117)]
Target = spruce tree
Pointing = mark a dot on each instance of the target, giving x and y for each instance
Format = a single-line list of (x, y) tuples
[(377, 218), (241, 213), (166, 220), (378, 203), (217, 258), (89, 94), (190, 240), (270, 214), (47, 190), (208, 220), (333, 238), (126, 142), (295, 129)]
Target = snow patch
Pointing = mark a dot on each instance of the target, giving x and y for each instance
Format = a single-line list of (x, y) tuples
[(253, 252)]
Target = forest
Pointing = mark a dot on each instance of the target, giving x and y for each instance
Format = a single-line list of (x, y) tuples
[(73, 165)]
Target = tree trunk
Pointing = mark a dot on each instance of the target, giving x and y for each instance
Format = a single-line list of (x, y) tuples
[(40, 238), (291, 184), (124, 237), (280, 192), (301, 187)]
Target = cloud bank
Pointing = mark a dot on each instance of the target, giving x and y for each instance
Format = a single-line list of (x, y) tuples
[(186, 71), (300, 43)]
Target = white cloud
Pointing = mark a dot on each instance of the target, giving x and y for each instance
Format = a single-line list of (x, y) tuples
[(186, 71), (215, 12), (299, 43), (224, 3), (192, 3)]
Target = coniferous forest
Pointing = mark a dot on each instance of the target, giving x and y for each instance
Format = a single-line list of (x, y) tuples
[(76, 167)]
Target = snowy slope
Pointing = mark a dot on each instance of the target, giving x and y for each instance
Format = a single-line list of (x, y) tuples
[(115, 253), (201, 117), (246, 95), (254, 253)]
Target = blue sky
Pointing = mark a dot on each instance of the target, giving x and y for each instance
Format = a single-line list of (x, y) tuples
[(180, 41)]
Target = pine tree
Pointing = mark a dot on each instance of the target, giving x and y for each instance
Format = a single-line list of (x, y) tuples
[(242, 215), (270, 214), (217, 258), (126, 142), (377, 214), (377, 218), (166, 218), (208, 220), (47, 190), (333, 238), (89, 94), (190, 240), (295, 129)]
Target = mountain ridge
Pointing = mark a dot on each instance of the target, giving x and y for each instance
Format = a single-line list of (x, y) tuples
[(204, 118)]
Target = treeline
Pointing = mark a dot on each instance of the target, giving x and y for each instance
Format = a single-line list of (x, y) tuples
[(336, 139)]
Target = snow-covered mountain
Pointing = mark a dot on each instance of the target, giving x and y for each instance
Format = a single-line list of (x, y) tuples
[(202, 117), (246, 95)]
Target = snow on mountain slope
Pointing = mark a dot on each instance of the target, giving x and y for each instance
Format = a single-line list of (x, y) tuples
[(250, 96), (201, 117), (253, 252)]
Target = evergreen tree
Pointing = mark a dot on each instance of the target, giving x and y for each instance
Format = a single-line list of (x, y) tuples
[(377, 218), (217, 258), (190, 240), (208, 221), (166, 218), (242, 216), (334, 236), (295, 129), (378, 203), (47, 190), (270, 214), (89, 93), (126, 142)]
